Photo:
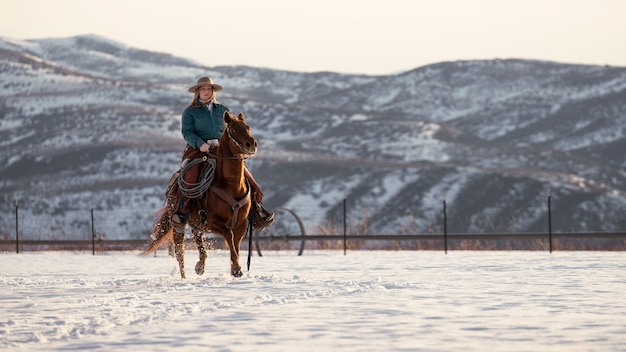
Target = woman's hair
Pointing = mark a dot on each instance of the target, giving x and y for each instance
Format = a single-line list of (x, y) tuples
[(195, 102)]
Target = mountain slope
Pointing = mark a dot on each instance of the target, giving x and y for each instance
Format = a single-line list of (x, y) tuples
[(91, 123)]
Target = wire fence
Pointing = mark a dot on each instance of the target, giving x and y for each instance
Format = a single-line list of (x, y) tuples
[(346, 225)]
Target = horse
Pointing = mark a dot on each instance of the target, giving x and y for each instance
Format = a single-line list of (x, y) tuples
[(223, 209)]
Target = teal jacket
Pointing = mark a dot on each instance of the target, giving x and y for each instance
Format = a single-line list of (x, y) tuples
[(198, 124)]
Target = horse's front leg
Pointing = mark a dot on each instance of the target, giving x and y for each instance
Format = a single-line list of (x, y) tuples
[(179, 248), (235, 268), (199, 238)]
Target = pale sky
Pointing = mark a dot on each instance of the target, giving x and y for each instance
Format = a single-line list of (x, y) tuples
[(347, 36)]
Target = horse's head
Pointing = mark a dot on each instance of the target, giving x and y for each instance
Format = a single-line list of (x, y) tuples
[(238, 135)]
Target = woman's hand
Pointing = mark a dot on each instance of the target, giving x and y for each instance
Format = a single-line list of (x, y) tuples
[(210, 143)]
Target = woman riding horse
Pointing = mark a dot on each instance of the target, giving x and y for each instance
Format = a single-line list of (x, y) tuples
[(202, 127), (223, 208)]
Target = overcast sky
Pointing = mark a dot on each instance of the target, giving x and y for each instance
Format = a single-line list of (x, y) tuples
[(348, 36)]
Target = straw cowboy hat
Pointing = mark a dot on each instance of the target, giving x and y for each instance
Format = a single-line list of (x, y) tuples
[(205, 81)]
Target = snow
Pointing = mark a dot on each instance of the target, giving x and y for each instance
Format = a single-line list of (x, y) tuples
[(358, 117), (323, 300), (449, 187)]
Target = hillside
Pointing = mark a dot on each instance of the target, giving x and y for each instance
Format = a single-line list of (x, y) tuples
[(91, 123)]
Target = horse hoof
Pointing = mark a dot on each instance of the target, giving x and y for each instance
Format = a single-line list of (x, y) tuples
[(199, 268), (237, 273)]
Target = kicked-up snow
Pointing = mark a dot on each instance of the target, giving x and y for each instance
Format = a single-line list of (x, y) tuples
[(323, 300)]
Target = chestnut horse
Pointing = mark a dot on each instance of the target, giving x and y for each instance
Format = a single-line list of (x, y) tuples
[(222, 210)]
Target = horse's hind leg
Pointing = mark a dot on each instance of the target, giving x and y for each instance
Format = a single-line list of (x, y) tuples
[(199, 238), (179, 248)]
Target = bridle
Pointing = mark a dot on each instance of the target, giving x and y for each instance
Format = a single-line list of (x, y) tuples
[(243, 153)]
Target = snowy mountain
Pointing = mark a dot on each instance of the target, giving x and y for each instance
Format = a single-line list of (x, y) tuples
[(91, 123)]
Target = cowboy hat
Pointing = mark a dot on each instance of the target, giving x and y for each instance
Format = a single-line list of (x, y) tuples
[(205, 81)]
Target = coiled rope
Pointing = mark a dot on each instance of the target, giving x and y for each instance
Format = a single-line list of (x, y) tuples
[(196, 190)]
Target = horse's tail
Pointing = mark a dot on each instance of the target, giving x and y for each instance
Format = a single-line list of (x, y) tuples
[(162, 231)]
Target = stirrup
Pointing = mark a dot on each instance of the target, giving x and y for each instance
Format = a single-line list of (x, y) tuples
[(262, 218)]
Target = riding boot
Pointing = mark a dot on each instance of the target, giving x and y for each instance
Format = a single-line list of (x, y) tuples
[(260, 217)]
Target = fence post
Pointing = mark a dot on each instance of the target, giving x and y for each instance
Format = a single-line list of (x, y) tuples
[(344, 224), (17, 229), (445, 228), (549, 220), (93, 235)]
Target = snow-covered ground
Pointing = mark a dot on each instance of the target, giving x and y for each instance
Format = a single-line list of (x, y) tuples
[(323, 300)]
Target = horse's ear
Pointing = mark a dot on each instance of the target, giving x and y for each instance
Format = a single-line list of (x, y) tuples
[(241, 117), (228, 117)]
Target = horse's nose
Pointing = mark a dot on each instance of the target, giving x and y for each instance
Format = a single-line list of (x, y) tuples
[(251, 143)]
